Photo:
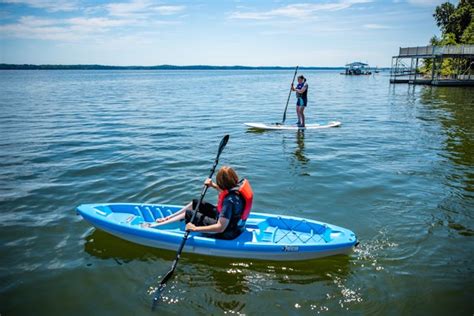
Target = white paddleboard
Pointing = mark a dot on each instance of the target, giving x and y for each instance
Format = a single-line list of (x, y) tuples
[(290, 127)]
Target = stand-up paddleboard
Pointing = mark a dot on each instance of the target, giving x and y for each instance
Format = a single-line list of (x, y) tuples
[(264, 126)]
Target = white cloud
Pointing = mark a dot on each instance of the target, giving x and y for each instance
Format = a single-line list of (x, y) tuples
[(34, 28), (299, 10), (123, 18), (49, 5), (376, 26), (430, 3), (169, 9), (134, 7), (96, 22), (142, 7), (71, 29)]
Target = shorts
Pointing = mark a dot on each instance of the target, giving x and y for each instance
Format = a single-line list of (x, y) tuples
[(301, 102), (206, 214)]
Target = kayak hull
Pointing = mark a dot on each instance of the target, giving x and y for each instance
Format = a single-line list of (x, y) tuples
[(263, 126), (266, 236)]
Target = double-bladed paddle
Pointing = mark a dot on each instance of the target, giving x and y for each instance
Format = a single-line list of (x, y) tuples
[(289, 95), (168, 275)]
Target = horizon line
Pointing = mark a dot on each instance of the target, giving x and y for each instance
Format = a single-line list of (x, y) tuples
[(7, 66)]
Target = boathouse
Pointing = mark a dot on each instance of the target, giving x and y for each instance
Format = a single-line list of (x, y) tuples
[(357, 69), (406, 66)]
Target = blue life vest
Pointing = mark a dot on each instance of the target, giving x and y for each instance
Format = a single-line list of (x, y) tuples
[(303, 95)]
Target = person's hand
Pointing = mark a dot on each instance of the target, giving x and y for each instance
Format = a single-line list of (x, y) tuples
[(208, 182), (191, 227), (162, 219)]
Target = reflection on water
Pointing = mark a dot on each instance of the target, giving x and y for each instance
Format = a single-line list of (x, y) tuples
[(232, 275), (257, 131), (294, 151), (105, 246), (457, 122), (230, 280), (236, 280), (299, 152), (298, 157)]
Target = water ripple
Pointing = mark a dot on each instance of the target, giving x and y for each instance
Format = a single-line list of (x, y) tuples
[(399, 172)]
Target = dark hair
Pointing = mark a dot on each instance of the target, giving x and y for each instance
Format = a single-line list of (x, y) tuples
[(302, 77), (227, 178)]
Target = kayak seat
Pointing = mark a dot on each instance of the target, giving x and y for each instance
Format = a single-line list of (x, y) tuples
[(327, 234), (265, 232)]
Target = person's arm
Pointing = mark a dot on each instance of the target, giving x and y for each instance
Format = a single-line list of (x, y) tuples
[(224, 217), (211, 184), (302, 90), (218, 227)]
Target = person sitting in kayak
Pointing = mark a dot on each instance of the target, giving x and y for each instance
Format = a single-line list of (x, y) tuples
[(301, 99), (227, 219)]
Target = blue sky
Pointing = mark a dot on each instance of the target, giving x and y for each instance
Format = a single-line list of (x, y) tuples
[(239, 32)]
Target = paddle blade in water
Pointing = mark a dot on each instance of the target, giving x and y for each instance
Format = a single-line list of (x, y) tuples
[(161, 287), (157, 296)]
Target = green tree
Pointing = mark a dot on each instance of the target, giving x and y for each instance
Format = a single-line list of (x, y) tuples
[(426, 63), (443, 16), (455, 20), (462, 17), (468, 35), (457, 27), (448, 66)]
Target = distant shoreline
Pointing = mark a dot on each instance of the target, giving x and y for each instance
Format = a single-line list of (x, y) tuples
[(158, 67)]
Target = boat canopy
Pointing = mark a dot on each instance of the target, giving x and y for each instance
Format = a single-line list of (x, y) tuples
[(357, 64)]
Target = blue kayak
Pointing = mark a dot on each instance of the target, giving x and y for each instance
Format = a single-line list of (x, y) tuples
[(266, 236)]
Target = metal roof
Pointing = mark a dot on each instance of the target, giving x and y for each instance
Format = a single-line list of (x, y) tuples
[(357, 63)]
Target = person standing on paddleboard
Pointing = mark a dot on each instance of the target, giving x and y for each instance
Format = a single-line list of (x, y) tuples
[(301, 99), (226, 220)]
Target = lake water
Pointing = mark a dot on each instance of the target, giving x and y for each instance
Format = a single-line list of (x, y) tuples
[(399, 172)]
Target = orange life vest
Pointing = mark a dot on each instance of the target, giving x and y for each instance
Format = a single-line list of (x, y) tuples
[(245, 191)]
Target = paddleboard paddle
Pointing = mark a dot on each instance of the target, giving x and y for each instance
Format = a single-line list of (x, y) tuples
[(288, 100)]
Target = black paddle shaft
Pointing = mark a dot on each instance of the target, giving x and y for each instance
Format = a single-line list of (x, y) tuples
[(168, 275), (289, 95)]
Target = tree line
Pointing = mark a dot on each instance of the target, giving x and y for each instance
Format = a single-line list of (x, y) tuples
[(456, 24), (159, 67)]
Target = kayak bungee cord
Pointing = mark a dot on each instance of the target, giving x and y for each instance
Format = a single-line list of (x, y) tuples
[(288, 100), (168, 275)]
